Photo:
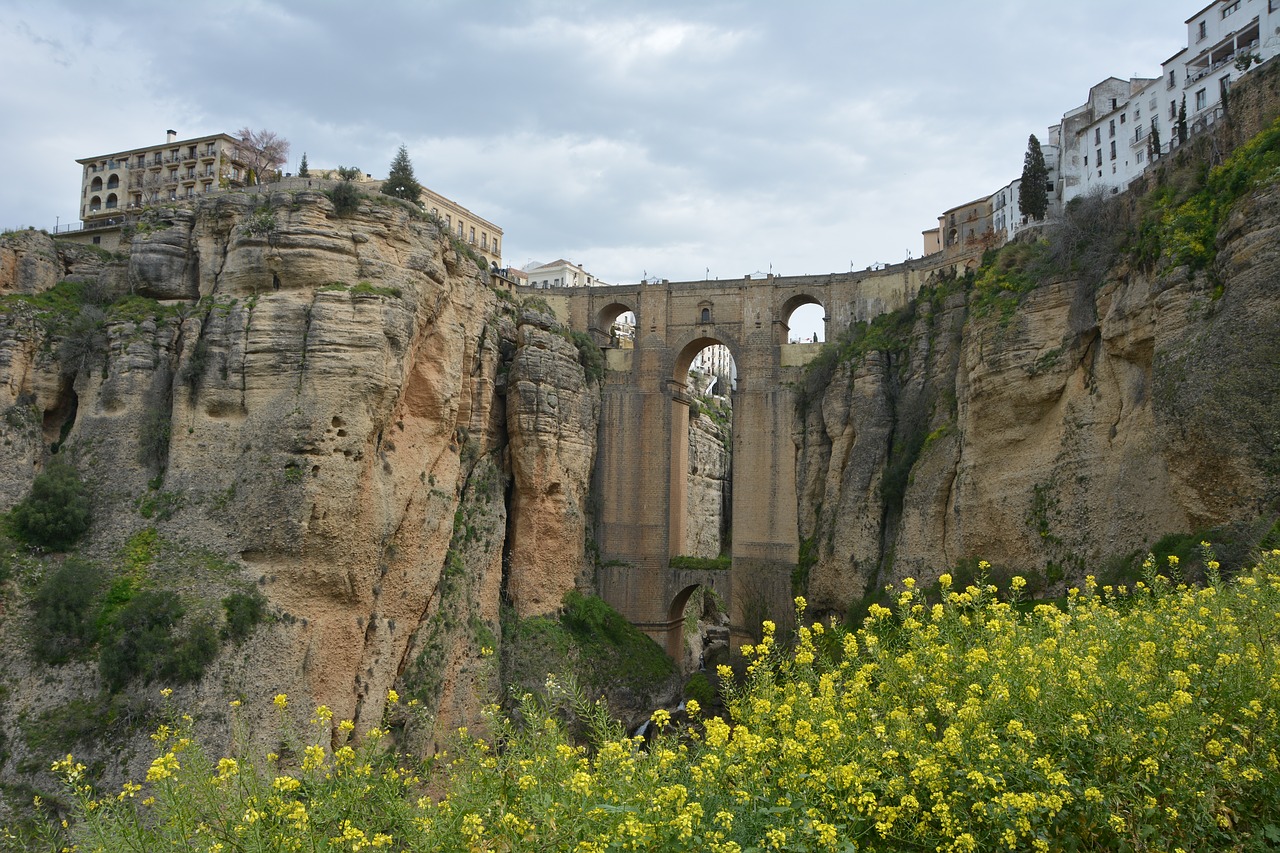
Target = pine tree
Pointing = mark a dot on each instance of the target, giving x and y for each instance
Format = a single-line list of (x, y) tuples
[(1182, 121), (303, 171), (400, 181), (1033, 198), (1153, 143)]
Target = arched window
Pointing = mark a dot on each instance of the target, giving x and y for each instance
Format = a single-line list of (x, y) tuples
[(113, 182), (96, 186), (112, 201), (706, 315), (95, 203)]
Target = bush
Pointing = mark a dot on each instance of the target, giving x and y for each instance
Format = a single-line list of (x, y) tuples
[(346, 199), (66, 606), (139, 641), (56, 513), (244, 611)]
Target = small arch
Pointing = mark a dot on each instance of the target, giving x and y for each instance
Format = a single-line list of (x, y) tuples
[(113, 182), (95, 203), (96, 186), (804, 319), (112, 201), (617, 320)]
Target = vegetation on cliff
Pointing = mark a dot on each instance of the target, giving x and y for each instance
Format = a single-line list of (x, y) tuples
[(961, 723)]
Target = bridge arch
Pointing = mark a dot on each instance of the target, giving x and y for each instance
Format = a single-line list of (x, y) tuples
[(787, 310), (608, 315)]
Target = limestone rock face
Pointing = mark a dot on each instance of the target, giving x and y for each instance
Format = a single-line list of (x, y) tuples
[(320, 407), (28, 262), (551, 417), (1092, 422), (709, 477)]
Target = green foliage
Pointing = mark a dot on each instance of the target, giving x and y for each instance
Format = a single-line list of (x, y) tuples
[(706, 564), (198, 362), (1006, 276), (1033, 198), (590, 356), (345, 198), (1181, 224), (365, 288), (400, 181), (153, 437), (349, 173), (304, 171), (699, 689), (56, 513), (145, 641), (244, 611), (84, 340), (64, 609), (808, 558)]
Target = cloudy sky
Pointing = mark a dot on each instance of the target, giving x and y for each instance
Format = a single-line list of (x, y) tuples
[(667, 138)]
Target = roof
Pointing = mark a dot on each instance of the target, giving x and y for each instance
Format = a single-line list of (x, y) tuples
[(120, 155)]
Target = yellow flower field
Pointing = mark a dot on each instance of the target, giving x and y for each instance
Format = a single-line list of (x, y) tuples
[(1142, 719)]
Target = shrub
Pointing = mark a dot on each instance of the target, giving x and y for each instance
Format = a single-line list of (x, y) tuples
[(244, 611), (56, 513), (139, 642), (346, 199), (65, 607)]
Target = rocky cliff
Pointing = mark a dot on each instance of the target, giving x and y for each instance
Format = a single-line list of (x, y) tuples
[(1056, 435), (330, 413)]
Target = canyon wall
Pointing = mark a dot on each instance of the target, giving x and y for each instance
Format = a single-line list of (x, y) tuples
[(1055, 441), (331, 413)]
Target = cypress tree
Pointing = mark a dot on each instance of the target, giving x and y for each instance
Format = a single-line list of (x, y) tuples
[(400, 181), (1182, 121), (1033, 198)]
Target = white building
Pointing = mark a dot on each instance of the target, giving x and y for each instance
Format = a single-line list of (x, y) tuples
[(1107, 142), (560, 273)]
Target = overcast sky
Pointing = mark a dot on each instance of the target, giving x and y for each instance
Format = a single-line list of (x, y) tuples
[(667, 138)]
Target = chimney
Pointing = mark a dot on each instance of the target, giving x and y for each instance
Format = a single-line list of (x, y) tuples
[(170, 135)]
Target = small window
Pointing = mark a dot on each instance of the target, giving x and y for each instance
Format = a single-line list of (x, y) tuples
[(1200, 32), (1202, 99), (1099, 161), (1230, 9), (1113, 103), (1097, 135), (1111, 129), (1113, 151), (97, 241), (1122, 115), (1138, 155)]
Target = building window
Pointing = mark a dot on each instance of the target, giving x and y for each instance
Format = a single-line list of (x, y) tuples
[(1202, 100), (1230, 9), (1139, 154), (1224, 84), (1122, 115), (706, 315), (484, 240), (1200, 32), (1173, 111), (1099, 161), (472, 236), (95, 203), (1113, 151), (459, 228), (495, 245), (96, 186), (1097, 135), (1111, 129)]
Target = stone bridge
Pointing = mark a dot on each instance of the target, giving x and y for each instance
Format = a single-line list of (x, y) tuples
[(642, 463)]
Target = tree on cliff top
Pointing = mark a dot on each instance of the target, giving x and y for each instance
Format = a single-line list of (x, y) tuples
[(400, 181), (304, 171), (1033, 198), (264, 151)]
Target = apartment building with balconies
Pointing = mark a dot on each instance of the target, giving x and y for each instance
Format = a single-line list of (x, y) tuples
[(115, 183)]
